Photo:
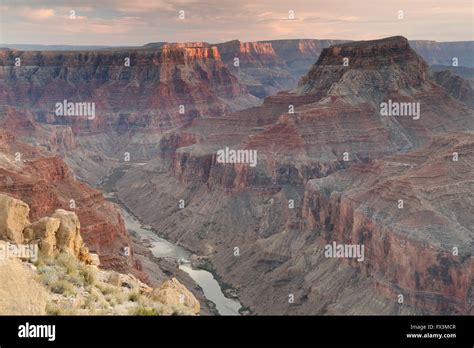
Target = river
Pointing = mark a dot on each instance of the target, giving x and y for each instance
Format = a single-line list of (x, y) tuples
[(162, 248)]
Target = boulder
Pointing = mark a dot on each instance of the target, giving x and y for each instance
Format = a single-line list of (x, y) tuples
[(68, 236), (45, 230), (173, 293), (95, 259), (13, 218)]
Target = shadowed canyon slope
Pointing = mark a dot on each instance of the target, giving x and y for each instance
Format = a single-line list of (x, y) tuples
[(280, 220), (158, 82), (331, 167), (46, 183), (266, 67)]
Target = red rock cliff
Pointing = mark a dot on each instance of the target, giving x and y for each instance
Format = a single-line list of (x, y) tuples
[(46, 183), (148, 93)]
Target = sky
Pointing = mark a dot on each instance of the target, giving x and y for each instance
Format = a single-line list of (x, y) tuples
[(136, 22)]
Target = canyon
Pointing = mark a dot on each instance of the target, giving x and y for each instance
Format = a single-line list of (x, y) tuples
[(46, 183), (59, 276), (330, 167), (264, 211)]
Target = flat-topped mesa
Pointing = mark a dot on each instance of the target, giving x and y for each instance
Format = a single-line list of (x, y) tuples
[(368, 69), (194, 51), (250, 54), (395, 49), (169, 86), (198, 44), (172, 53)]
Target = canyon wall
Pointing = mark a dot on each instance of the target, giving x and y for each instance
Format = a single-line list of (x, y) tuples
[(146, 93), (46, 184), (331, 171), (327, 166)]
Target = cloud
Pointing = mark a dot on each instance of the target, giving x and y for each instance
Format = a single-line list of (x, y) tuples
[(29, 13), (135, 22), (143, 6), (99, 26)]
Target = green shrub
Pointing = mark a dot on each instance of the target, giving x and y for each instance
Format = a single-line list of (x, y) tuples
[(53, 309), (134, 296), (91, 301), (111, 300), (63, 287), (105, 289), (146, 311), (88, 275), (119, 297), (48, 276), (69, 263)]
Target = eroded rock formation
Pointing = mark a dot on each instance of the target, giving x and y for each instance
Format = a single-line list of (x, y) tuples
[(173, 293), (169, 86), (331, 167), (49, 285), (46, 184), (280, 220), (13, 218)]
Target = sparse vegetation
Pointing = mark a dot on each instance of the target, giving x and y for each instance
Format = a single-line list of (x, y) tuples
[(106, 289), (145, 311), (53, 309), (88, 275), (69, 263), (134, 296), (63, 287), (77, 288), (91, 300)]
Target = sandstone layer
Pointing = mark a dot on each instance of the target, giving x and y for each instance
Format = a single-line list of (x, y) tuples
[(169, 86), (279, 221), (46, 184), (58, 276), (331, 167)]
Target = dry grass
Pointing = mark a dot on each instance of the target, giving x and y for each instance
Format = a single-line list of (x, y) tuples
[(144, 311), (78, 289)]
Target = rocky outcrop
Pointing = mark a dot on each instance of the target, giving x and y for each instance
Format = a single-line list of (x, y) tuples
[(159, 81), (13, 218), (65, 286), (266, 67), (264, 211), (56, 234), (421, 248), (45, 230), (397, 67), (46, 184), (456, 86), (62, 267), (173, 293), (68, 236)]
